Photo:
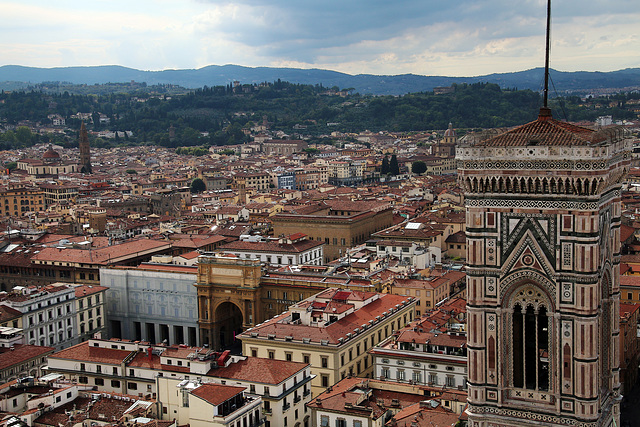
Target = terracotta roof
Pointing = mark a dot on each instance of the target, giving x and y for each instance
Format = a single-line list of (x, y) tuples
[(626, 232), (84, 290), (445, 340), (21, 353), (8, 313), (627, 309), (216, 394), (630, 281), (272, 246), (332, 332), (459, 237), (256, 369), (142, 360), (417, 415), (103, 255), (346, 397), (58, 416), (546, 131), (84, 353)]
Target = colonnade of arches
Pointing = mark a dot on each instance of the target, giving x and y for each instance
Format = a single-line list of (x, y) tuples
[(535, 185)]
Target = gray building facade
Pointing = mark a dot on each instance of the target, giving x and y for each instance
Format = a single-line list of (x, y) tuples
[(152, 302)]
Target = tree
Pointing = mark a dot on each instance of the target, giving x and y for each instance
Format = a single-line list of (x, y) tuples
[(24, 135), (394, 169), (385, 166), (418, 167), (198, 186)]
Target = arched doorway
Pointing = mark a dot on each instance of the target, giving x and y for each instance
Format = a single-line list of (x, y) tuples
[(228, 324)]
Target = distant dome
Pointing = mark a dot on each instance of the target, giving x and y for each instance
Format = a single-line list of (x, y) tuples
[(51, 154), (450, 132)]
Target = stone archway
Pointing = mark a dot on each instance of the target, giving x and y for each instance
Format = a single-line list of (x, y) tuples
[(228, 324)]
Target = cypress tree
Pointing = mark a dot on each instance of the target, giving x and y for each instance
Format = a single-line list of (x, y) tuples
[(394, 169), (385, 166)]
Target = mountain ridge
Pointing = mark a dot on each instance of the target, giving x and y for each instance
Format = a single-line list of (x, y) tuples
[(216, 75)]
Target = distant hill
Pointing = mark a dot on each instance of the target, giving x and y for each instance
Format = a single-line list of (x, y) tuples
[(15, 76)]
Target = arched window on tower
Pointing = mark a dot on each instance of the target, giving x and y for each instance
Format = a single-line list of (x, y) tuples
[(530, 342)]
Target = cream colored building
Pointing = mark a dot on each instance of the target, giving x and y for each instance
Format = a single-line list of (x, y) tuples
[(19, 201), (91, 310), (191, 402), (332, 331), (154, 371)]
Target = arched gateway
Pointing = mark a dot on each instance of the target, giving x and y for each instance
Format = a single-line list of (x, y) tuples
[(228, 298)]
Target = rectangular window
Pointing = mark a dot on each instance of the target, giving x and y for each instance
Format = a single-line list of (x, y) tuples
[(325, 380), (115, 383)]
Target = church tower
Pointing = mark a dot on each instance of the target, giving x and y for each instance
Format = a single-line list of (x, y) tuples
[(85, 151), (543, 239)]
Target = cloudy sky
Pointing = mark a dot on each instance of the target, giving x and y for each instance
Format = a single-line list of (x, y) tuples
[(428, 37)]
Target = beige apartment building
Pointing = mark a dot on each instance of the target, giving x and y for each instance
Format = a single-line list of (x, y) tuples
[(332, 331), (19, 201), (91, 310)]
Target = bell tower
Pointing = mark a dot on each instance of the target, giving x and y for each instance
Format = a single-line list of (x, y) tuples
[(543, 251), (85, 151)]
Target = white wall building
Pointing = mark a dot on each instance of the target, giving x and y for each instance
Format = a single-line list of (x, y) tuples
[(152, 302), (423, 358), (48, 314), (295, 249)]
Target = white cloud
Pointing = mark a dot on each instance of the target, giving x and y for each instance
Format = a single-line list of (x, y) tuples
[(356, 36)]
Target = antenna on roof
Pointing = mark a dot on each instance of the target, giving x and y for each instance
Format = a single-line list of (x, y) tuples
[(546, 59)]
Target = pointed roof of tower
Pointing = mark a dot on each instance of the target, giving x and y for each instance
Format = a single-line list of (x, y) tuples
[(547, 131)]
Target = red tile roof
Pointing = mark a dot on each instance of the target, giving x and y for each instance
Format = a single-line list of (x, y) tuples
[(216, 394), (630, 281), (21, 353), (8, 313), (103, 255), (332, 332), (271, 246), (417, 415), (85, 290), (84, 353), (547, 131), (256, 369)]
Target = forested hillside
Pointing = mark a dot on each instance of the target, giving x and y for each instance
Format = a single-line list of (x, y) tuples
[(222, 112)]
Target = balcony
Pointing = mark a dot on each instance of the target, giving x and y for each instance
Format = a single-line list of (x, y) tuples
[(297, 399), (286, 407)]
